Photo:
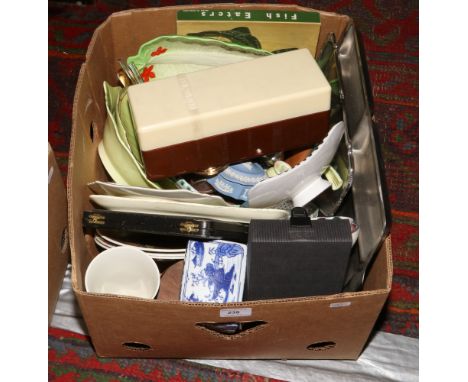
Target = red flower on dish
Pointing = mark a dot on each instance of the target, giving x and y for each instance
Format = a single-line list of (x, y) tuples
[(148, 73), (158, 51)]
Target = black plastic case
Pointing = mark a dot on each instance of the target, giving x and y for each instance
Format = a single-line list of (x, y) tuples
[(296, 258)]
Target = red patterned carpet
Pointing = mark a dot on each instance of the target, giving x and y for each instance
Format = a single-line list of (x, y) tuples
[(391, 40), (71, 359)]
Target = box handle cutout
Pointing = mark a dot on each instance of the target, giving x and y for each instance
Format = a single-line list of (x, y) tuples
[(136, 346), (231, 328), (320, 346), (93, 131)]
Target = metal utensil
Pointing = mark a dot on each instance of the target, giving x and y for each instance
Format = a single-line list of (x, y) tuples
[(135, 72), (128, 72)]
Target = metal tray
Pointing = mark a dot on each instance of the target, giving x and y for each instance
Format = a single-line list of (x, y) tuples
[(368, 200)]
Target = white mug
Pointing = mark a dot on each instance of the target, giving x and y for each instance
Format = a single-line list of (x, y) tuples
[(125, 271)]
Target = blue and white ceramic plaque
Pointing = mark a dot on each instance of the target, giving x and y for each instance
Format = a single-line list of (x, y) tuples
[(214, 272), (236, 180)]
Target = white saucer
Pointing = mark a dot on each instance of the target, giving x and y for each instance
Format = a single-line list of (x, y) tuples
[(114, 189), (153, 254)]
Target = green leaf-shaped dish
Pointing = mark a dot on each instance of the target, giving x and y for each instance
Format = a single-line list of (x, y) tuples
[(114, 149), (166, 56)]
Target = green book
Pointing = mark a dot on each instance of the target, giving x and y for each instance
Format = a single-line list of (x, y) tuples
[(271, 30)]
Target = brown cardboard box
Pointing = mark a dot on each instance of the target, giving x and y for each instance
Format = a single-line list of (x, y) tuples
[(323, 327), (59, 250)]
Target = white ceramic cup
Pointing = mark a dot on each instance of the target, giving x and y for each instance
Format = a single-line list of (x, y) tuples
[(123, 270)]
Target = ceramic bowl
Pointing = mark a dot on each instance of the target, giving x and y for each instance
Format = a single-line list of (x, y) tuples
[(124, 271)]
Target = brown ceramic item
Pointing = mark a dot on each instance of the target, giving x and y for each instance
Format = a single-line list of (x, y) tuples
[(297, 157), (171, 281)]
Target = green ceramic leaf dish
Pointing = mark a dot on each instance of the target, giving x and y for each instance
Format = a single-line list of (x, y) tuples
[(125, 124), (166, 56), (114, 149)]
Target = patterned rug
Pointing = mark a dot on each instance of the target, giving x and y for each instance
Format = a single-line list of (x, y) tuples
[(72, 359), (391, 41)]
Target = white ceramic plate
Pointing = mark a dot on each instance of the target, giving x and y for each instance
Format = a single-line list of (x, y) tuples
[(99, 241), (153, 254), (159, 256), (114, 189), (168, 207), (114, 241)]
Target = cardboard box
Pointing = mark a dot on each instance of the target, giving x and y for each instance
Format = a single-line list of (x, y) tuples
[(59, 250), (322, 327)]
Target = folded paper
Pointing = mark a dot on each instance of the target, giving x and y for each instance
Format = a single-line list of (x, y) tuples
[(302, 183)]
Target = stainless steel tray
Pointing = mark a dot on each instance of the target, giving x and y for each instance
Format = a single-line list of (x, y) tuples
[(368, 201)]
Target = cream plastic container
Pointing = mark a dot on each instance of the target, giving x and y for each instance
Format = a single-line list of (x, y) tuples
[(230, 113)]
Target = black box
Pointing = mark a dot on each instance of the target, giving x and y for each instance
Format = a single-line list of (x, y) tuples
[(296, 258)]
